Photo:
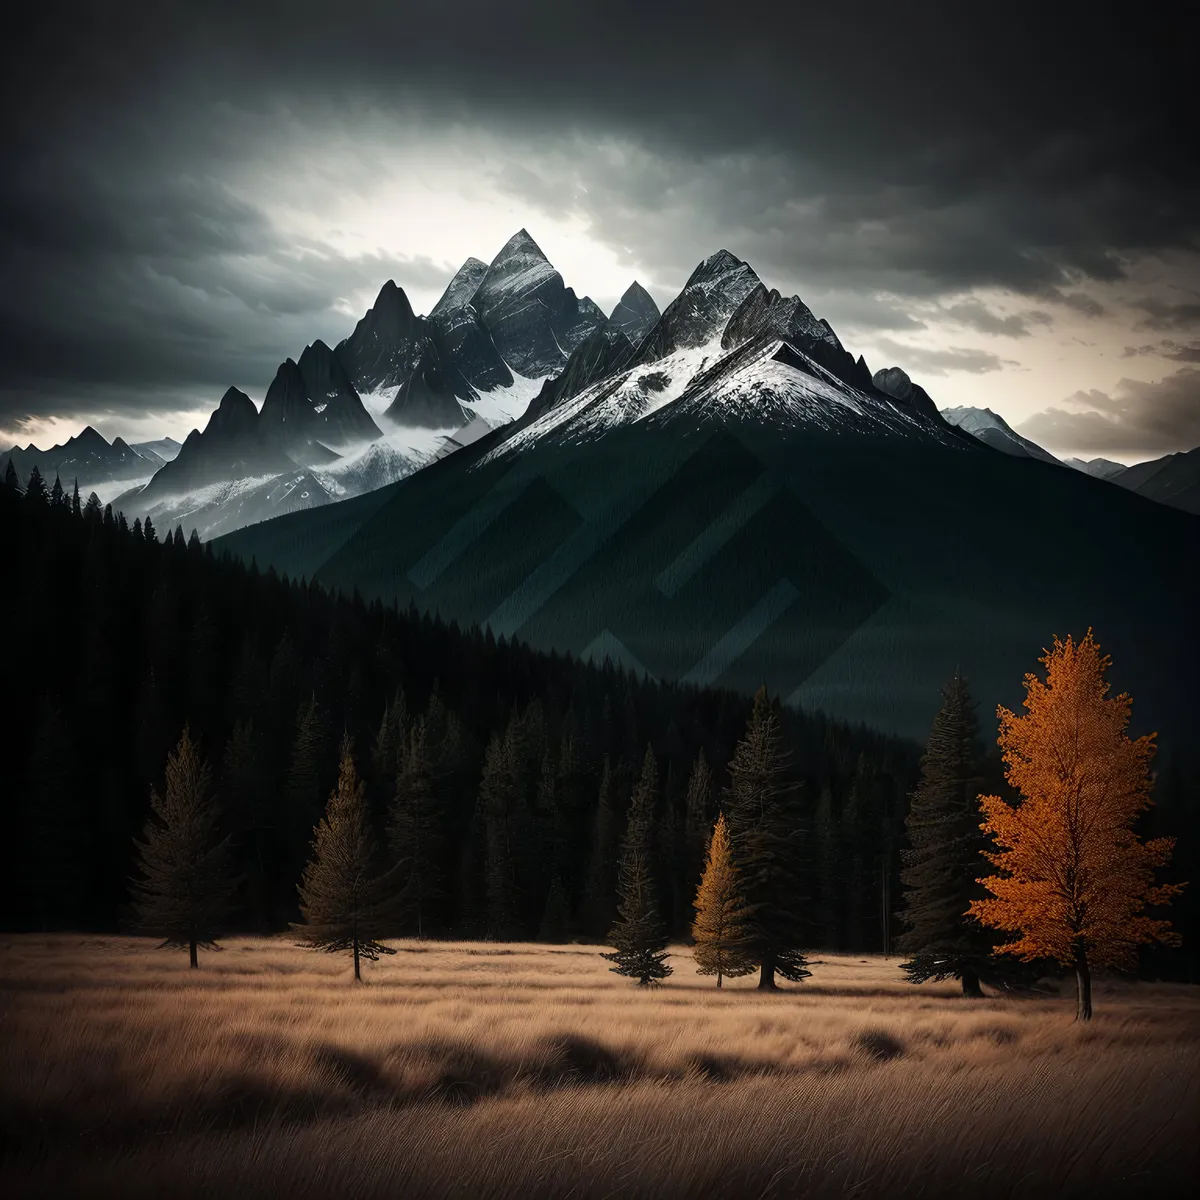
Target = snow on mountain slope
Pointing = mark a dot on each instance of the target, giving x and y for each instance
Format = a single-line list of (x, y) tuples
[(383, 461), (504, 404), (222, 507), (993, 430), (766, 380)]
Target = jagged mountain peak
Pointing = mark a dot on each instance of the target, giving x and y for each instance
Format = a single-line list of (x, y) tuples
[(462, 288), (700, 312), (520, 244), (235, 404), (635, 313)]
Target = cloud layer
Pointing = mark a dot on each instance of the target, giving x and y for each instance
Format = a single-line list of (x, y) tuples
[(186, 183)]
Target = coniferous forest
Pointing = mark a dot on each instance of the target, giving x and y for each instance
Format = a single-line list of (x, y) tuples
[(506, 793)]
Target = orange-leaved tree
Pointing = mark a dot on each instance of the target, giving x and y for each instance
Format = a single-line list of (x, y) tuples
[(1074, 879)]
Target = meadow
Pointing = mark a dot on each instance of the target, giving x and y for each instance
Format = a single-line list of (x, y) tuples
[(496, 1070)]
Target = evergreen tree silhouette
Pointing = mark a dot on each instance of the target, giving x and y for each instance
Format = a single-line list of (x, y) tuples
[(762, 812), (186, 892), (945, 852), (345, 902), (35, 489), (639, 934), (415, 834)]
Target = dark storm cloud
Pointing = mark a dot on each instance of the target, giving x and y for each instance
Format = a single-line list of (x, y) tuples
[(974, 314), (900, 150), (1137, 417), (1164, 314), (1164, 349), (920, 360)]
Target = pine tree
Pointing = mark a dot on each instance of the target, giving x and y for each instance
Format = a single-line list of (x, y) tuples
[(35, 489), (344, 903), (640, 934), (303, 783), (12, 480), (498, 791), (75, 505), (762, 812), (148, 530), (602, 859), (57, 499), (945, 854), (698, 817), (720, 930), (415, 833), (186, 893), (1076, 880)]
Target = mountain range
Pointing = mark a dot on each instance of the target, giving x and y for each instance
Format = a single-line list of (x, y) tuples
[(1173, 479), (733, 498), (90, 459), (719, 492), (400, 391)]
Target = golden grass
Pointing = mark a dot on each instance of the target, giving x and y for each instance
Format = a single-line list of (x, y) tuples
[(523, 1070)]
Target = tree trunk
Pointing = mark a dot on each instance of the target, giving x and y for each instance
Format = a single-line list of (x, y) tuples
[(718, 979), (1083, 985), (970, 984), (193, 960), (766, 975), (357, 976)]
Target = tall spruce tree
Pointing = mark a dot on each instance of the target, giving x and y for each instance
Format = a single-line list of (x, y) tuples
[(187, 888), (598, 908), (302, 784), (35, 490), (720, 930), (57, 497), (76, 508), (345, 901), (640, 933), (945, 851), (698, 816), (763, 814), (415, 834), (498, 797), (12, 480)]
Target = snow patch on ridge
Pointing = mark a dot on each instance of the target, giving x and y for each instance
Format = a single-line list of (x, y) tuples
[(504, 404)]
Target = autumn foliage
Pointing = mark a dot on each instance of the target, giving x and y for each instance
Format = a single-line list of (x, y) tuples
[(1073, 879), (720, 928)]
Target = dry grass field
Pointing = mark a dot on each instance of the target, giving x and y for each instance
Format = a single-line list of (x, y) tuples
[(481, 1070)]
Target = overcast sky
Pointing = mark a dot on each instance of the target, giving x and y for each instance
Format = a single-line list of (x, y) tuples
[(1008, 208)]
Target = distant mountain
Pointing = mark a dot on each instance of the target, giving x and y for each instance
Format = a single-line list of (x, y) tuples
[(1173, 479), (993, 430), (87, 457), (737, 500), (1100, 468), (165, 448), (236, 444), (635, 314)]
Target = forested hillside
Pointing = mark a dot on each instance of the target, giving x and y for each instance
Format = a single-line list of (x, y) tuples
[(125, 639), (526, 765)]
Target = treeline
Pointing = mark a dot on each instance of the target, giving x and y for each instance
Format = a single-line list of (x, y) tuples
[(503, 777)]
